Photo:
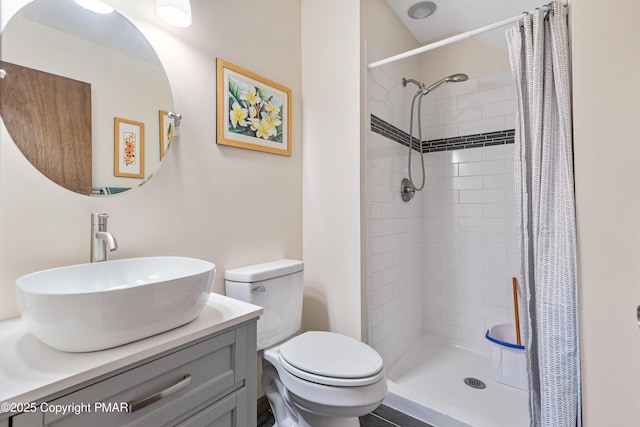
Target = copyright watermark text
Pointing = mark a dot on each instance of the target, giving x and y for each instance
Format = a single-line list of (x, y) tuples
[(66, 408)]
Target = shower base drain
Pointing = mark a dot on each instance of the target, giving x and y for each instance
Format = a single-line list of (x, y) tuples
[(475, 383)]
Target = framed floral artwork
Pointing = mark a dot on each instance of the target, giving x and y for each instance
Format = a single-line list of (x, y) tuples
[(128, 148), (253, 112), (166, 132)]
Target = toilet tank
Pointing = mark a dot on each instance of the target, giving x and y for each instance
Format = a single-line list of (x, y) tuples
[(276, 287)]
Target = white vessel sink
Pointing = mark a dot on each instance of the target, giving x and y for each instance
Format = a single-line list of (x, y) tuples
[(95, 306)]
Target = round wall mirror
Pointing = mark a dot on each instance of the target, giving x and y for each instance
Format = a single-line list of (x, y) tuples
[(85, 97)]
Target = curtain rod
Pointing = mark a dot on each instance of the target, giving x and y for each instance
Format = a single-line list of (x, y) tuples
[(448, 40)]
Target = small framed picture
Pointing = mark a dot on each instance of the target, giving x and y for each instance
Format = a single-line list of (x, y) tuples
[(128, 148), (166, 132), (253, 112)]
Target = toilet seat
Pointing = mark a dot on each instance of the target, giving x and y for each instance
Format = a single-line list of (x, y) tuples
[(331, 359)]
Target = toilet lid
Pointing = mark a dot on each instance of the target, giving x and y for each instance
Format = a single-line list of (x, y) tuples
[(331, 355)]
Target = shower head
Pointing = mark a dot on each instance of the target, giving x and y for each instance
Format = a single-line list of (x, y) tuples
[(458, 77), (454, 78)]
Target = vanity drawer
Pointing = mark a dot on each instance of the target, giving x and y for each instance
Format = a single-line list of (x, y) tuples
[(162, 391), (227, 412)]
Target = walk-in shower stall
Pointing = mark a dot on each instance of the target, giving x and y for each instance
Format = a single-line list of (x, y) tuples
[(469, 185), (439, 267)]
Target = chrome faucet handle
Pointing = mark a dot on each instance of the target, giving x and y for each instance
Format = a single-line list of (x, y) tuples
[(102, 218), (99, 218)]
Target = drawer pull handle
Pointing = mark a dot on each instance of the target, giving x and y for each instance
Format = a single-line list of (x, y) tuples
[(185, 381)]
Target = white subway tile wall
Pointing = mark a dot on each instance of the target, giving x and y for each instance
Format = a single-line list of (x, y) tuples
[(442, 263), (470, 245), (484, 104)]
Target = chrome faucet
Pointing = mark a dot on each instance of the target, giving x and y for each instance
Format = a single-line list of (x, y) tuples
[(101, 239)]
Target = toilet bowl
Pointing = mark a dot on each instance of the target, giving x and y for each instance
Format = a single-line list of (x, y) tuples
[(331, 379), (316, 379)]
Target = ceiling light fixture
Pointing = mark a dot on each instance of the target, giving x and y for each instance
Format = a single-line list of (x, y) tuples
[(95, 6), (174, 12), (421, 10)]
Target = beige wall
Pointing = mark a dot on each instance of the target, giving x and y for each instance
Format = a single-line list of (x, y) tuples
[(331, 164), (386, 34), (606, 63), (470, 56), (223, 204)]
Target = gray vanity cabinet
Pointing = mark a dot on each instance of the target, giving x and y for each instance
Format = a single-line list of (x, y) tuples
[(210, 382), (4, 423)]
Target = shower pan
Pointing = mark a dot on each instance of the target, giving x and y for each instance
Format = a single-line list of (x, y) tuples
[(408, 188)]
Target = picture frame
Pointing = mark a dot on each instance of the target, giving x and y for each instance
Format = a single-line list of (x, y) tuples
[(253, 112), (128, 160), (167, 127)]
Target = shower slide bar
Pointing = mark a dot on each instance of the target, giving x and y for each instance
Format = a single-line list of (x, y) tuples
[(449, 40)]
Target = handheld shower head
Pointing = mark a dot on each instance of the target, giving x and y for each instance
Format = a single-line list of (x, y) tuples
[(455, 78), (458, 77), (408, 187)]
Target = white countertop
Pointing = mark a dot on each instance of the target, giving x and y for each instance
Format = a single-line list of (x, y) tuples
[(31, 370)]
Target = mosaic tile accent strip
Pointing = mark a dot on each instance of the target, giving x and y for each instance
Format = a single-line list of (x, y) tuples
[(390, 131), (443, 144)]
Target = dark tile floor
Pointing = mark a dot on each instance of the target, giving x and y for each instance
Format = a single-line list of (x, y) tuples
[(383, 416)]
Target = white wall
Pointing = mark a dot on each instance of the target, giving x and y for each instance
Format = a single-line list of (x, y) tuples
[(223, 204), (331, 163), (606, 63)]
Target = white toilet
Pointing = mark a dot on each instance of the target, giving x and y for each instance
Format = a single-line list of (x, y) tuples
[(316, 379)]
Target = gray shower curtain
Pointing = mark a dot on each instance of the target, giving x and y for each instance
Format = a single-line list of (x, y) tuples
[(539, 56)]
